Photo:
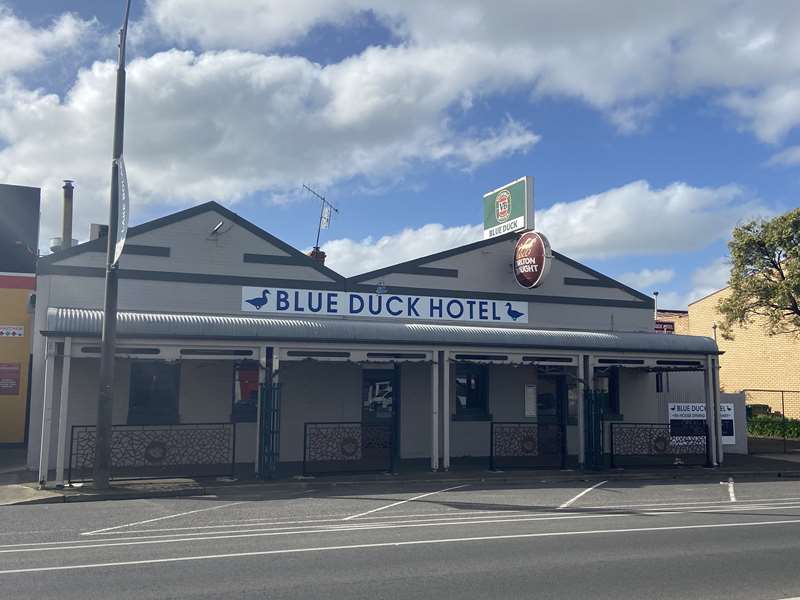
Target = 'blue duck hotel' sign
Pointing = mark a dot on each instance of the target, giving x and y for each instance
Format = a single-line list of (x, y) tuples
[(393, 306)]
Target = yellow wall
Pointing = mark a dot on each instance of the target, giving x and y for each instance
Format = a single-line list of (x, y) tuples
[(14, 311), (752, 360)]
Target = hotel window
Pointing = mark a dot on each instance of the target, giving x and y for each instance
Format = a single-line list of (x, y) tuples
[(471, 392), (153, 393), (245, 391)]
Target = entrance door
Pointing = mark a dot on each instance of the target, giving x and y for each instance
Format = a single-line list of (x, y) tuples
[(379, 420), (551, 410)]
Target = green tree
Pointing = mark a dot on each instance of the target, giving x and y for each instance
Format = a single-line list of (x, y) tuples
[(765, 276)]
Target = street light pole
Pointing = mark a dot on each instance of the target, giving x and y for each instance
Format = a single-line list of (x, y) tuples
[(105, 398)]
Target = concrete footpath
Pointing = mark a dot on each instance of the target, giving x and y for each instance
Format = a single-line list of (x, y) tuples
[(15, 493)]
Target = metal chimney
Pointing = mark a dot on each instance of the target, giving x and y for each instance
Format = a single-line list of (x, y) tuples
[(66, 224)]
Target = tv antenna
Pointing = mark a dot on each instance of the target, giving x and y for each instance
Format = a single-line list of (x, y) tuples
[(324, 214)]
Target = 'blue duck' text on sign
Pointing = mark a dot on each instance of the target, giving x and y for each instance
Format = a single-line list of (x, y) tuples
[(393, 306)]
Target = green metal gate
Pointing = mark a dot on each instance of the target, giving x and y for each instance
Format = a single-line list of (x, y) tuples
[(594, 401), (269, 429)]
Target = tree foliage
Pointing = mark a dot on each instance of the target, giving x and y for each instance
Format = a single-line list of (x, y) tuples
[(765, 276)]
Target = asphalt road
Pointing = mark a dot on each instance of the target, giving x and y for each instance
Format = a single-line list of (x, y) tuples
[(654, 539)]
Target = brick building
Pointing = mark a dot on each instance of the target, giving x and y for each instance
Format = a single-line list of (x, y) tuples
[(761, 366)]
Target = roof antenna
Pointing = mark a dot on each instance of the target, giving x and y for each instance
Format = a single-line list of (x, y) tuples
[(324, 215)]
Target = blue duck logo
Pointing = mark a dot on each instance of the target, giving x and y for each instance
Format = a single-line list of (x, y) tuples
[(514, 314), (259, 301)]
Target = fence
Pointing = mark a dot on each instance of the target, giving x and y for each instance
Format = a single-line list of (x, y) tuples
[(527, 445), (186, 450), (773, 421), (347, 447), (649, 444)]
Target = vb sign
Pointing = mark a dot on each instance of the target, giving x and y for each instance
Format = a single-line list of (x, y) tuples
[(532, 258), (508, 208)]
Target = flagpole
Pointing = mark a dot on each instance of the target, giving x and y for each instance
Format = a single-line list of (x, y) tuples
[(105, 398)]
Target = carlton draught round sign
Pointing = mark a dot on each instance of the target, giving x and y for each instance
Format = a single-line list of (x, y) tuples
[(532, 258)]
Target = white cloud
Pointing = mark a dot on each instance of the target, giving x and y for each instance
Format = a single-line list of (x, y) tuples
[(647, 278), (220, 125), (628, 221), (255, 24), (25, 47), (704, 280), (710, 278), (789, 156), (618, 56), (637, 219), (511, 138), (772, 113), (351, 257)]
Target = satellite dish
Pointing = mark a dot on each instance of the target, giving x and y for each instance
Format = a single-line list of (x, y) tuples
[(217, 228)]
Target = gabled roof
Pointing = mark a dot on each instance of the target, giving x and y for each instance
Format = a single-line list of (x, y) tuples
[(414, 266), (99, 245)]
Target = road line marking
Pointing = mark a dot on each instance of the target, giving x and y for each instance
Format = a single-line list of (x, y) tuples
[(338, 526), (586, 491), (369, 512), (517, 536), (342, 528), (687, 503), (337, 519), (183, 514), (339, 516)]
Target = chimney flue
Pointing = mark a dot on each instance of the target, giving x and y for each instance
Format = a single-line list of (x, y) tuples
[(66, 223)]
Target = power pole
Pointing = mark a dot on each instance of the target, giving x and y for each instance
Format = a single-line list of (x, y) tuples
[(105, 398)]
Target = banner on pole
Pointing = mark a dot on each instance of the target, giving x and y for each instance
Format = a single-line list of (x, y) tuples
[(325, 219), (123, 211)]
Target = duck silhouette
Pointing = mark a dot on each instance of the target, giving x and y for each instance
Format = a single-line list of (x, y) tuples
[(259, 302), (514, 314)]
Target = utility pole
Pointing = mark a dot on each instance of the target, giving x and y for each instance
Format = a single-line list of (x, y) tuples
[(105, 398)]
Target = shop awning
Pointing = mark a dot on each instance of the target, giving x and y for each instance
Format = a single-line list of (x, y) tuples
[(76, 322)]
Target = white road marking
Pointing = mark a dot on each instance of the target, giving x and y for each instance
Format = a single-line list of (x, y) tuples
[(369, 512), (336, 525), (335, 518), (183, 514), (451, 514), (341, 528), (486, 538), (731, 490), (584, 492), (693, 502)]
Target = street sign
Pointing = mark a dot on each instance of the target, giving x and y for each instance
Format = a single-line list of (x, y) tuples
[(508, 208)]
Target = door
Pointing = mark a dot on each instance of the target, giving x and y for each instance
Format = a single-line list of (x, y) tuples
[(551, 410), (379, 417)]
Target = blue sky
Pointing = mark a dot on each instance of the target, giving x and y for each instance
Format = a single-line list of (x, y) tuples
[(650, 131)]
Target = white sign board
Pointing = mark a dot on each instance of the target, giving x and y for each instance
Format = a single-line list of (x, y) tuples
[(684, 417), (728, 423), (530, 401), (287, 301), (686, 421)]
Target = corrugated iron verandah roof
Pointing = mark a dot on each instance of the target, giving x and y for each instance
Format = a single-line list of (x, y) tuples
[(78, 322)]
